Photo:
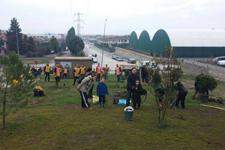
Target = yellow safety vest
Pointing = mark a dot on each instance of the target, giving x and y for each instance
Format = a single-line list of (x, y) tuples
[(77, 72), (82, 70), (47, 68)]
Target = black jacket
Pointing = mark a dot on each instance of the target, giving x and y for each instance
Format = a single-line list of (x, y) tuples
[(131, 81), (137, 91)]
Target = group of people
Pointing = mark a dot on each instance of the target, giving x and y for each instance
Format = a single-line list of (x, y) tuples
[(85, 87), (134, 89), (84, 79), (102, 72), (58, 71), (61, 72), (86, 84), (36, 71)]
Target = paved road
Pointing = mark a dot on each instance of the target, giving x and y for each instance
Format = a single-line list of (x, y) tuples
[(193, 67), (107, 57)]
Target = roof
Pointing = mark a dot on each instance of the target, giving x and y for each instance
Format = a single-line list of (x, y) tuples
[(200, 38), (194, 37), (72, 58)]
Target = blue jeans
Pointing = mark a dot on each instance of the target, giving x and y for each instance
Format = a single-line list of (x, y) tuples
[(102, 100)]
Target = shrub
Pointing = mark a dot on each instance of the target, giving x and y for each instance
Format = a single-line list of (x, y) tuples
[(206, 82)]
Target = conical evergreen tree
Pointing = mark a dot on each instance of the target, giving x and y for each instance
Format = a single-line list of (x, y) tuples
[(12, 34), (74, 43)]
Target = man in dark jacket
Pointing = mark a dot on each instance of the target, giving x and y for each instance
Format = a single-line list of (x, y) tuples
[(131, 83), (144, 74), (182, 92)]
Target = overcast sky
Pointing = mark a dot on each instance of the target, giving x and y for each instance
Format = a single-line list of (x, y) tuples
[(124, 16)]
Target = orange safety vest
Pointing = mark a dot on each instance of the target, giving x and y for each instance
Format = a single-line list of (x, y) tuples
[(98, 69), (65, 71), (118, 70), (57, 71)]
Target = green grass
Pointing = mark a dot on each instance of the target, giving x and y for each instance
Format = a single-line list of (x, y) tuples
[(57, 121)]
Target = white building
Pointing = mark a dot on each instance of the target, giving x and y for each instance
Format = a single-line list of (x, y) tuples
[(113, 40)]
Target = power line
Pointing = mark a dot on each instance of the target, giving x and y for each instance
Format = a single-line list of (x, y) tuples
[(104, 41)]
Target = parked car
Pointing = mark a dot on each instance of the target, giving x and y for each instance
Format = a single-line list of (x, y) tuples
[(132, 61), (216, 59), (94, 60), (221, 62), (114, 57), (119, 59), (125, 59)]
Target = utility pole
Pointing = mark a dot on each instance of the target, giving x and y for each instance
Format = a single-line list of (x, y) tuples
[(78, 21), (103, 41)]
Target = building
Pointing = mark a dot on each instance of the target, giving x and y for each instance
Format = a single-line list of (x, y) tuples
[(198, 43), (72, 61), (113, 40), (186, 43)]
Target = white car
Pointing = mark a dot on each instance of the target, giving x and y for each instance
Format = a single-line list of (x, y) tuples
[(114, 57), (216, 59), (221, 62), (94, 59), (145, 63)]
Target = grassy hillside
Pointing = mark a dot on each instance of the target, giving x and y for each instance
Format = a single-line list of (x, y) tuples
[(57, 121)]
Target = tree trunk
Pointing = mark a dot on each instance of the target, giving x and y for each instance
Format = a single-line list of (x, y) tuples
[(159, 117), (4, 107)]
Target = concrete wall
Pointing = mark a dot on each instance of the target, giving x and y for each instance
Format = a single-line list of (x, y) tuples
[(131, 54), (72, 63)]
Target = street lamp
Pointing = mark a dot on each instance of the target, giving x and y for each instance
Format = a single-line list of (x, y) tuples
[(103, 41)]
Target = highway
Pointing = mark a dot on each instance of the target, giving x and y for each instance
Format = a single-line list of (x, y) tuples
[(107, 57)]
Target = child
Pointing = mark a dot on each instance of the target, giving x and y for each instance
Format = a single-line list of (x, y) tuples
[(102, 90), (137, 92)]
